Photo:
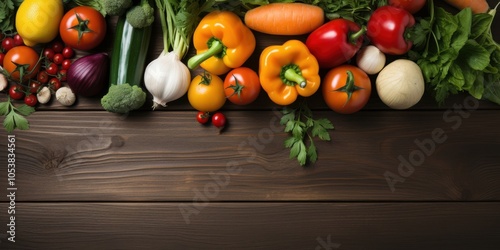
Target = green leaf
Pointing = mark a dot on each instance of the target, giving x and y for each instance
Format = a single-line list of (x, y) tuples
[(476, 56), (4, 108), (290, 125), (325, 123), (295, 149), (21, 122), (480, 24), (298, 130), (288, 115), (290, 141), (312, 153), (461, 35), (302, 157), (25, 110), (9, 123)]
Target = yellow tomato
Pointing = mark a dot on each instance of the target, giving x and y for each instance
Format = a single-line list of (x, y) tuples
[(206, 92), (37, 21)]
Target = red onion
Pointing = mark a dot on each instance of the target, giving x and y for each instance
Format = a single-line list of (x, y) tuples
[(89, 74)]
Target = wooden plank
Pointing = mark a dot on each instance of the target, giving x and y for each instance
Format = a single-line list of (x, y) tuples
[(257, 226), (167, 156)]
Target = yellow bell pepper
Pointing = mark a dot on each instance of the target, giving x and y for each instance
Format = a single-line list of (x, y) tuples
[(287, 71), (222, 42)]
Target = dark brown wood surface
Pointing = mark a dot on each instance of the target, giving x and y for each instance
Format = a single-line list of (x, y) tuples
[(423, 178)]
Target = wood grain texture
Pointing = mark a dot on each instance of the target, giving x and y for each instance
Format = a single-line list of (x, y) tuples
[(167, 156), (257, 226)]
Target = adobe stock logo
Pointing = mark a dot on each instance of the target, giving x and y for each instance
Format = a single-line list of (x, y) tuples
[(427, 146)]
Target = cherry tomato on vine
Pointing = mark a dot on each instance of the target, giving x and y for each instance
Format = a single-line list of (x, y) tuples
[(21, 58), (242, 86), (219, 120), (412, 6), (49, 53), (346, 89), (202, 117), (83, 28), (58, 58), (42, 77), (18, 40), (57, 46), (31, 100), (62, 75), (7, 44), (52, 69), (66, 64), (68, 52), (34, 87), (54, 83), (16, 92)]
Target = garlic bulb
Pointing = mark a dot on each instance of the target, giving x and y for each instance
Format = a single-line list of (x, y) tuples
[(166, 78), (3, 80), (65, 96), (400, 85), (370, 59), (43, 95)]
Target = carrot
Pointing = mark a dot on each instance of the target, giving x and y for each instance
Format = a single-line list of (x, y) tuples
[(285, 18), (477, 6)]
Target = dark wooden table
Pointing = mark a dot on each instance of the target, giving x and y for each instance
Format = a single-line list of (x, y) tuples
[(89, 179)]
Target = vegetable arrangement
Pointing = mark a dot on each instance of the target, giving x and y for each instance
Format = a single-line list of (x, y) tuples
[(442, 52)]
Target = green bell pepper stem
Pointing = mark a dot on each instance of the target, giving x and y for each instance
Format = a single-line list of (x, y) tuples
[(215, 48), (293, 76)]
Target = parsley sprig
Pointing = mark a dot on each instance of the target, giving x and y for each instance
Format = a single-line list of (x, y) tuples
[(301, 125), (15, 116)]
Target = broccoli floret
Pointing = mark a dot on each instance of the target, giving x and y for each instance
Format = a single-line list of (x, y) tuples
[(117, 7), (142, 15), (123, 98)]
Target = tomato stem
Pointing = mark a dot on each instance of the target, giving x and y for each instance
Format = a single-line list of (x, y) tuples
[(349, 86), (237, 88), (82, 27)]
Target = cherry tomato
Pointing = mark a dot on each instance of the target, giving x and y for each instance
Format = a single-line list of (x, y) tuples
[(202, 117), (16, 92), (83, 28), (42, 77), (62, 75), (25, 57), (18, 40), (7, 44), (52, 69), (34, 87), (68, 52), (57, 46), (2, 56), (54, 83), (412, 6), (30, 100), (206, 92), (346, 89), (58, 58), (66, 64), (242, 86), (49, 53), (219, 120)]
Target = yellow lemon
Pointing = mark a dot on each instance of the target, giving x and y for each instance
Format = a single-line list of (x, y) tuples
[(37, 21)]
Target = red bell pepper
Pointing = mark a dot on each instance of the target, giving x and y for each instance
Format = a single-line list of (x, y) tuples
[(335, 42), (388, 30)]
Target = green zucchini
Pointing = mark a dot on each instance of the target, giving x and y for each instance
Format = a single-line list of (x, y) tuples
[(129, 53), (127, 68)]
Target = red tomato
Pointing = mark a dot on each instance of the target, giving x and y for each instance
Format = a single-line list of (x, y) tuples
[(66, 64), (202, 117), (31, 100), (26, 58), (16, 92), (2, 56), (82, 28), (7, 44), (49, 53), (68, 52), (412, 6), (62, 75), (34, 87), (18, 40), (58, 58), (219, 120), (57, 46), (346, 89), (54, 83), (242, 86), (52, 69), (43, 77)]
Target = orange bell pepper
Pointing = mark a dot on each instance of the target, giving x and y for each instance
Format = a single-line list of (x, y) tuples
[(222, 42), (287, 71)]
